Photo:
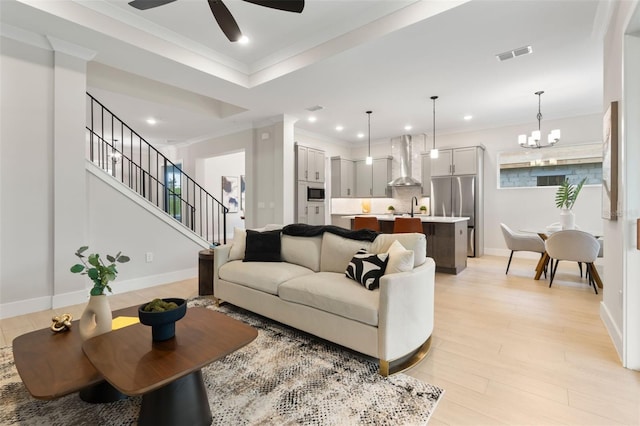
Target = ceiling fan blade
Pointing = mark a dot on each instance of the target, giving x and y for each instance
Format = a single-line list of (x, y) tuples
[(227, 24), (286, 5), (148, 4)]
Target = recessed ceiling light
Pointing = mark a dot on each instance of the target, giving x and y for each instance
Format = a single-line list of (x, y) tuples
[(312, 119), (361, 135), (408, 127), (339, 128), (468, 117), (151, 121), (243, 40)]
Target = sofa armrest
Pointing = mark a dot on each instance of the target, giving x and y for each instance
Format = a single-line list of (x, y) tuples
[(406, 310), (221, 256)]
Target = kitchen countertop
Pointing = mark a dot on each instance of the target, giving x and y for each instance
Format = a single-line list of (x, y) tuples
[(423, 218)]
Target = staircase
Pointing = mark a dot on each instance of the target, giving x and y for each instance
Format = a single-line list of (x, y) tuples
[(127, 157)]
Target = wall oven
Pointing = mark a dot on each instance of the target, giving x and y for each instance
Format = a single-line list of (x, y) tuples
[(315, 193)]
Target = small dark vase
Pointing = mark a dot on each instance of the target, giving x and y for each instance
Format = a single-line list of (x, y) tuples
[(163, 324)]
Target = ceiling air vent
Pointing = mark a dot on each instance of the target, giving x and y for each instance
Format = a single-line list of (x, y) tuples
[(513, 53)]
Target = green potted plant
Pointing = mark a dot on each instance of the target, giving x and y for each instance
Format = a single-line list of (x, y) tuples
[(99, 272), (96, 318), (566, 197), (391, 209), (423, 209)]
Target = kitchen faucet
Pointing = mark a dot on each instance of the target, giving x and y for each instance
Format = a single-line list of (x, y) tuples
[(413, 199)]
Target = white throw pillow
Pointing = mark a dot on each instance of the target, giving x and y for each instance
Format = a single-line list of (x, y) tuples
[(400, 259), (238, 245)]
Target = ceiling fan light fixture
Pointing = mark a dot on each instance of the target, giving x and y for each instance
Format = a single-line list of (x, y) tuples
[(243, 40)]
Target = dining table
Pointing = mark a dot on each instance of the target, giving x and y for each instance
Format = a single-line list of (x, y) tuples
[(544, 259)]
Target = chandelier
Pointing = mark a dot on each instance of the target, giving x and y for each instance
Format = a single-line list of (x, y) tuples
[(533, 141)]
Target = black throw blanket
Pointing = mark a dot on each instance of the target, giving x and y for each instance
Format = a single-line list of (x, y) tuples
[(304, 230)]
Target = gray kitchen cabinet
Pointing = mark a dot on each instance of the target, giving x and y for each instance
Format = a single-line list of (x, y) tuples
[(455, 162), (342, 178), (310, 164), (372, 180)]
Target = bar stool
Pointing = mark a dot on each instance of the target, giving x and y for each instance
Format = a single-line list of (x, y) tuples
[(403, 225), (366, 222)]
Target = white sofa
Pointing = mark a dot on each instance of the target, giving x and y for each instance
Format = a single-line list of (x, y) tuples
[(308, 290)]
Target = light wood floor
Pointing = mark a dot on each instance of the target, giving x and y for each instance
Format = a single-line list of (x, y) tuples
[(507, 349)]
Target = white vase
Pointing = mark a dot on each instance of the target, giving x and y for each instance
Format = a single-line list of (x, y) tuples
[(96, 318), (567, 219)]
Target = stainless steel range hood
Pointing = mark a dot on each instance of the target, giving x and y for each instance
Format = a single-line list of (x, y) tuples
[(404, 157)]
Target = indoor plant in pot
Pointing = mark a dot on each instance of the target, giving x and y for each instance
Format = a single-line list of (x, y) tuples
[(96, 318), (566, 196)]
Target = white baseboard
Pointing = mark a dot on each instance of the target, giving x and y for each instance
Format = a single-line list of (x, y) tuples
[(612, 329), (44, 303), (27, 306), (507, 252)]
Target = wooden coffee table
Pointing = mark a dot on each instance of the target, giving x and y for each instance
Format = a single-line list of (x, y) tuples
[(167, 374), (52, 365)]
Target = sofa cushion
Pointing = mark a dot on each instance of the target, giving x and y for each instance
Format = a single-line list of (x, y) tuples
[(337, 251), (262, 246), (412, 241), (400, 259), (303, 251), (263, 276), (367, 268), (335, 293)]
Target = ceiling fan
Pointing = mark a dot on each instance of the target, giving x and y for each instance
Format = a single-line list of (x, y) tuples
[(223, 16)]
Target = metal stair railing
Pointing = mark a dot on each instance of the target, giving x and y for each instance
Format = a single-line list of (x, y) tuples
[(124, 154)]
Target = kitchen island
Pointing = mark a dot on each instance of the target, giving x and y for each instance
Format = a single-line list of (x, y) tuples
[(446, 239)]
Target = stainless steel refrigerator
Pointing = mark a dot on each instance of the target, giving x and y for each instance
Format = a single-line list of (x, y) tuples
[(460, 196)]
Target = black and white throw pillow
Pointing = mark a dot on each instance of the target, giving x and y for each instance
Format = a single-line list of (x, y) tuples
[(367, 268)]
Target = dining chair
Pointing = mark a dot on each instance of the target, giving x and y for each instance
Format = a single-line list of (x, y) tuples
[(521, 241), (403, 225), (366, 222), (574, 246)]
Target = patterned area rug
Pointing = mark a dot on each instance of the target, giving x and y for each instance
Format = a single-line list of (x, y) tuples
[(283, 377)]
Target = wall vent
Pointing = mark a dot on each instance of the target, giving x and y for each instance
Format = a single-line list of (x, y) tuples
[(514, 53)]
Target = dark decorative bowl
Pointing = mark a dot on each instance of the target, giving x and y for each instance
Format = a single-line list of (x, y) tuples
[(163, 324)]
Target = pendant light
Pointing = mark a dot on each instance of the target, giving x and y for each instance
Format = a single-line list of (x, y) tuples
[(369, 159), (434, 151), (533, 141)]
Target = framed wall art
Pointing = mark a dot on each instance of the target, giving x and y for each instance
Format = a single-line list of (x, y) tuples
[(610, 163), (242, 188), (231, 193)]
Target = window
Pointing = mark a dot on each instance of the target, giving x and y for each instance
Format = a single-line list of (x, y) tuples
[(549, 167)]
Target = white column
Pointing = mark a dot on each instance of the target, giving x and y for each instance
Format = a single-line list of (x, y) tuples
[(69, 175), (274, 170)]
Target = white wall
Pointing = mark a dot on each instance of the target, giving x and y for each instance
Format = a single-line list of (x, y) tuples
[(37, 201), (621, 298), (116, 223), (26, 193), (214, 169)]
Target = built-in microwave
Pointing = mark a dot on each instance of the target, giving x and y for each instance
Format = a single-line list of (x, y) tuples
[(315, 193)]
